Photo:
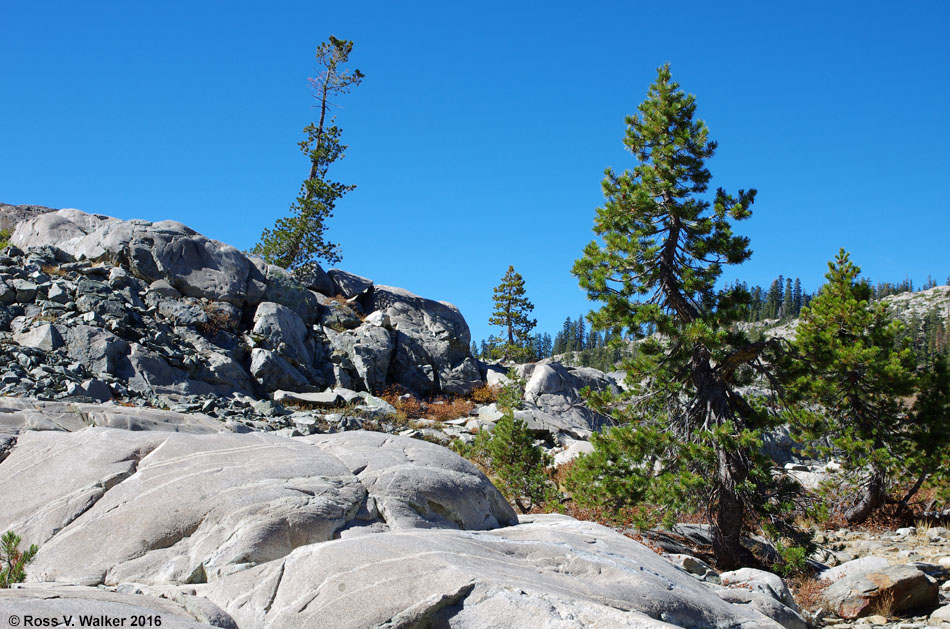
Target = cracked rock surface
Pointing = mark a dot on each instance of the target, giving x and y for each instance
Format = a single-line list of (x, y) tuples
[(548, 571), (180, 508)]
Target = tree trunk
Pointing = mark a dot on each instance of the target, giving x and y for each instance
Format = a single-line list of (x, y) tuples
[(730, 511), (872, 499)]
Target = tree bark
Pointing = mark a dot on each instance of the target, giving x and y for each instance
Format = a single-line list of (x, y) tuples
[(730, 511), (872, 499)]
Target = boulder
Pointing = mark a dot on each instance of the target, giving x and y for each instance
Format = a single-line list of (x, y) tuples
[(7, 293), (416, 484), (273, 372), (94, 604), (44, 337), (573, 450), (195, 265), (854, 568), (284, 289), (317, 280), (553, 402), (756, 580), (96, 349), (365, 353), (179, 508), (530, 575), (941, 614), (432, 343), (899, 588), (283, 331), (766, 604), (349, 284)]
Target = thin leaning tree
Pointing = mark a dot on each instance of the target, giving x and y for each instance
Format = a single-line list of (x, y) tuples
[(297, 241), (688, 437)]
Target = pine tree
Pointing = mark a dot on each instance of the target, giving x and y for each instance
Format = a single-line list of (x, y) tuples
[(511, 313), (297, 241), (852, 366), (662, 245), (929, 432), (797, 298), (788, 300)]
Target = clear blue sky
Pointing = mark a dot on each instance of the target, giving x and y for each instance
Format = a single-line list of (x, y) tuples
[(480, 134)]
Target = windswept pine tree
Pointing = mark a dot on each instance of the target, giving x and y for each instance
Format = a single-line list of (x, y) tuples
[(511, 312), (297, 241), (690, 438)]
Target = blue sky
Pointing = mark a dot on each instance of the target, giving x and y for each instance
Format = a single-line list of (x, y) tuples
[(480, 134)]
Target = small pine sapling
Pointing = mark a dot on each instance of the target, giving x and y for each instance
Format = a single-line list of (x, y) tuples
[(12, 560)]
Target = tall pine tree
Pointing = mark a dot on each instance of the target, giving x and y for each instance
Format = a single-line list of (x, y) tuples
[(692, 437), (511, 313)]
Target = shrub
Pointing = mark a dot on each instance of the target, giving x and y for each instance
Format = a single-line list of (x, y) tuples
[(485, 394), (4, 237), (808, 592), (442, 410), (12, 560), (218, 320)]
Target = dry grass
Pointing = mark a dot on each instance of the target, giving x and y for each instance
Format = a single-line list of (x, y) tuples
[(218, 319), (446, 409), (808, 592), (485, 394), (52, 271), (440, 409), (883, 605)]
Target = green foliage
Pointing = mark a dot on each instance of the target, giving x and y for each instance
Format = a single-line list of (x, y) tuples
[(297, 241), (516, 466), (793, 559), (849, 364), (12, 560), (929, 432), (4, 237), (691, 437), (511, 313), (639, 465)]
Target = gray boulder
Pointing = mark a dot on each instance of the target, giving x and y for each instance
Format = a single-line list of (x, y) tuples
[(45, 337), (553, 402), (283, 331), (96, 349), (854, 568), (756, 580), (7, 293), (273, 372), (365, 353), (284, 289), (767, 605), (432, 343), (57, 602), (539, 573), (416, 484), (902, 587), (316, 279), (195, 265), (179, 508), (349, 284)]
